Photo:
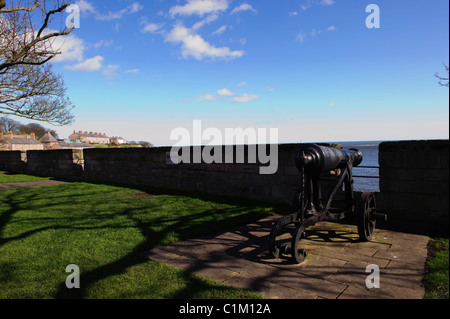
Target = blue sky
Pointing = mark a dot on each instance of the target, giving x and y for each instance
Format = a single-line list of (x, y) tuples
[(311, 68)]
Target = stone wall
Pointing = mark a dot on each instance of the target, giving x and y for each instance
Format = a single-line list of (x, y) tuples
[(55, 163), (150, 167), (12, 161), (414, 180)]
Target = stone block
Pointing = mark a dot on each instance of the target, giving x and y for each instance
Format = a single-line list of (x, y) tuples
[(413, 160), (390, 159)]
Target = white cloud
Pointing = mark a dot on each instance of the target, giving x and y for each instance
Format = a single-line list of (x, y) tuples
[(309, 3), (315, 32), (304, 6), (207, 97), (199, 7), (193, 45), (71, 47), (110, 71), (245, 98), (150, 27), (244, 7), (132, 71), (135, 7), (221, 30), (90, 65), (211, 18), (87, 7), (226, 95), (300, 37), (225, 92), (111, 15), (327, 2), (242, 84), (294, 13), (103, 43)]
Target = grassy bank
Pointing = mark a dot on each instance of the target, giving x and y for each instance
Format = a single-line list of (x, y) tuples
[(436, 279), (103, 229), (18, 178)]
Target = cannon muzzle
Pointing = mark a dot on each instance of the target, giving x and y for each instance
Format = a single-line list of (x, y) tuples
[(316, 158)]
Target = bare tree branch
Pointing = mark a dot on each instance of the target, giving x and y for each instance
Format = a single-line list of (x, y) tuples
[(28, 86), (37, 93), (29, 9), (441, 83), (25, 39)]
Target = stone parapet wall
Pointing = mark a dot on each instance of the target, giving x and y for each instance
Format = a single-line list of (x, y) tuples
[(414, 180), (414, 175), (12, 161), (54, 163), (150, 167)]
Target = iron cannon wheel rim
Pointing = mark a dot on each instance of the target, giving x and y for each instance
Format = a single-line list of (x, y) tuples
[(365, 216)]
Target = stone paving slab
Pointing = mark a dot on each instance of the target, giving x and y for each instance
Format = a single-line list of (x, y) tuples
[(334, 269)]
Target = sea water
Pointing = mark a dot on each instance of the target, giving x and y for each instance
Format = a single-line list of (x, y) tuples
[(369, 150)]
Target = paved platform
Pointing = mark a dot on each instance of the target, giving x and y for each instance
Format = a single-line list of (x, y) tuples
[(334, 269)]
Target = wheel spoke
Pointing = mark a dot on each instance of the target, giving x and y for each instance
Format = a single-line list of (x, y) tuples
[(365, 218)]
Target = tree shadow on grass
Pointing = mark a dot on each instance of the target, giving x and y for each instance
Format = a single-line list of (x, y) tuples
[(185, 226), (155, 232)]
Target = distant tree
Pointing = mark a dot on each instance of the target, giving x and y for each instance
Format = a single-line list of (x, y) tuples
[(145, 144), (53, 133), (9, 125), (442, 80), (28, 86), (37, 129)]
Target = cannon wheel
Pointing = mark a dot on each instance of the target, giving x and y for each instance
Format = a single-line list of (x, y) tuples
[(365, 216), (298, 254)]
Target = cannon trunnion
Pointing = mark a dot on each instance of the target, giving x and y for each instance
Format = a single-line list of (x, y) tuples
[(323, 167)]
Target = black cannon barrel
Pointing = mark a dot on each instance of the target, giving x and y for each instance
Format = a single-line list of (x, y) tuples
[(322, 158)]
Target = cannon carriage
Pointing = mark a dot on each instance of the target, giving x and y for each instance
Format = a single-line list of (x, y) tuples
[(323, 169)]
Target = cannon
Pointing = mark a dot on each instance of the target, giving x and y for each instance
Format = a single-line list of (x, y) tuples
[(319, 165)]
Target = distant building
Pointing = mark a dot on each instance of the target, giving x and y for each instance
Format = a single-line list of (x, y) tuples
[(118, 140), (14, 142), (90, 137), (50, 143)]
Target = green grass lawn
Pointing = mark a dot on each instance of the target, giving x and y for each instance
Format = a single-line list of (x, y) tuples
[(103, 229), (17, 178), (436, 279)]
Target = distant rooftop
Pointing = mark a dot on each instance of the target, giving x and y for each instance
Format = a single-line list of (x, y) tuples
[(19, 140), (75, 145), (48, 138), (91, 134)]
